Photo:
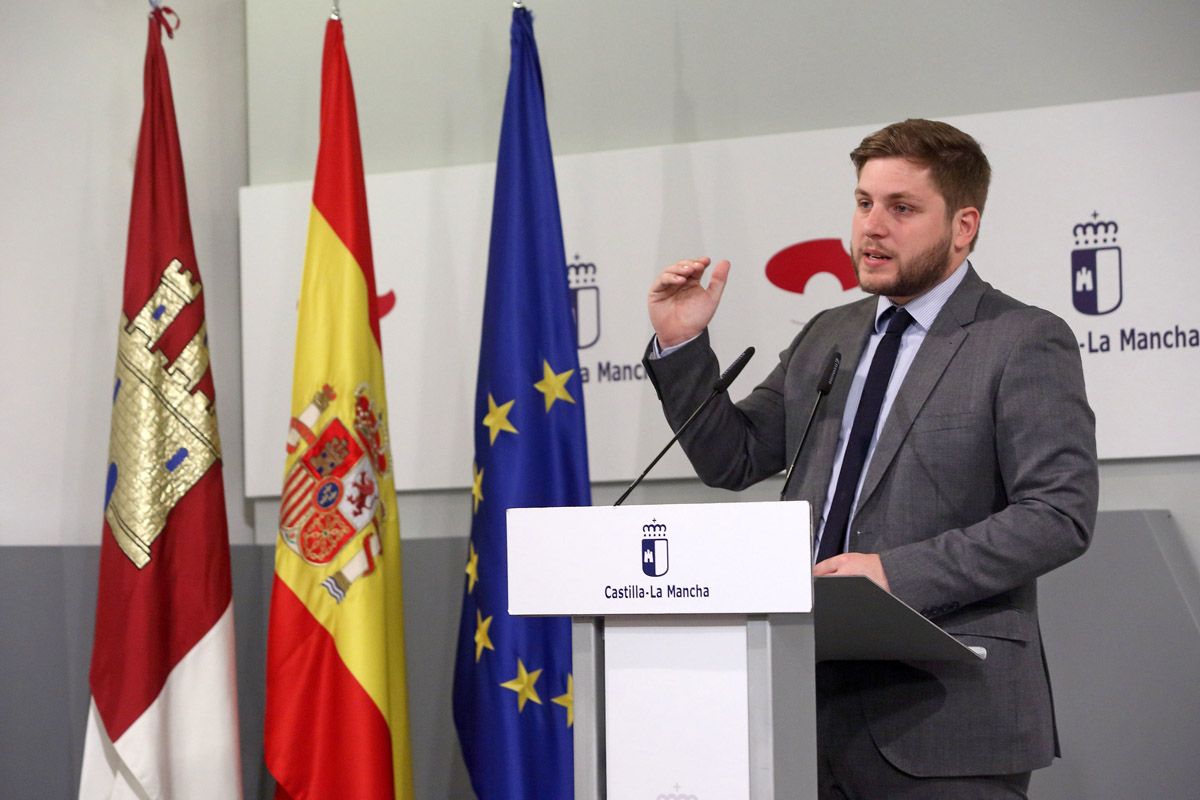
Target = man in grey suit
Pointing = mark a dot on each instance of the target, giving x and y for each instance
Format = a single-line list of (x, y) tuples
[(979, 476)]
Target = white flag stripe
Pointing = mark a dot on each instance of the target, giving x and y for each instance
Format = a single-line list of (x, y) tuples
[(185, 744)]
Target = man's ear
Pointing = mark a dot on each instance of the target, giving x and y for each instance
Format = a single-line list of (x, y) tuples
[(964, 227)]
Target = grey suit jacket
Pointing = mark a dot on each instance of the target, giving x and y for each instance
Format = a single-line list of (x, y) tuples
[(984, 478)]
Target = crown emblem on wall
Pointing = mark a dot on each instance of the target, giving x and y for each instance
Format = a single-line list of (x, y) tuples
[(1096, 231), (581, 273)]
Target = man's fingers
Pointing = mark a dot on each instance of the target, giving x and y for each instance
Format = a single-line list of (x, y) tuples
[(716, 281), (867, 564), (826, 567), (679, 273)]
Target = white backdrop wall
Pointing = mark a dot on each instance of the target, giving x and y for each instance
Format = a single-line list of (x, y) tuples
[(629, 73), (72, 104), (430, 80), (755, 196)]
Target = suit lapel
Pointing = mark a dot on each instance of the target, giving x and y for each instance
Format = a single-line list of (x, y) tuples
[(849, 339), (943, 340)]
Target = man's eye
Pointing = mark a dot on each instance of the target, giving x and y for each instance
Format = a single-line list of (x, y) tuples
[(903, 209)]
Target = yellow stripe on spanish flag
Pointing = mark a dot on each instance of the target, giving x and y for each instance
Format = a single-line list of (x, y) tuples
[(329, 326)]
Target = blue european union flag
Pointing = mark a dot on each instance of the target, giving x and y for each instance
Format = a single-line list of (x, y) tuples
[(513, 693)]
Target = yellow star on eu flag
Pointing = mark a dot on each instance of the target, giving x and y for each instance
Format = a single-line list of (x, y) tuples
[(523, 686), (482, 639), (472, 569), (497, 418), (567, 700), (554, 385), (477, 487)]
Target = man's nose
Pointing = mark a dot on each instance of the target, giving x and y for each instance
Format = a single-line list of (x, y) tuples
[(875, 223)]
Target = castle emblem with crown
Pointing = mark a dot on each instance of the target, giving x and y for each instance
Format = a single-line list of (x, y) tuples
[(655, 559), (585, 301), (1096, 267)]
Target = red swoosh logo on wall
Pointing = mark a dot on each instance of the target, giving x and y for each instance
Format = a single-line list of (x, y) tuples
[(791, 268)]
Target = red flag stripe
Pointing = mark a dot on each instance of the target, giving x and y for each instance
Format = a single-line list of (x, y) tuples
[(356, 746), (160, 611), (343, 203), (159, 225)]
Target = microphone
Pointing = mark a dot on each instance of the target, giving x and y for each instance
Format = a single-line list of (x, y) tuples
[(723, 382), (833, 363), (731, 372)]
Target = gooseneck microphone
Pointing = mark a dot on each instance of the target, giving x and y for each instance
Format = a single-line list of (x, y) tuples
[(833, 362), (727, 377)]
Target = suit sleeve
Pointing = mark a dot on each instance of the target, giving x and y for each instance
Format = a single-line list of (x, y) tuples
[(1045, 457), (731, 445)]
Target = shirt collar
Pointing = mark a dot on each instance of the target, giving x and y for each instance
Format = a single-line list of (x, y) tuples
[(924, 309)]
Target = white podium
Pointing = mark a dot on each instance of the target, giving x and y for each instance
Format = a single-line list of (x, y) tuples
[(694, 642)]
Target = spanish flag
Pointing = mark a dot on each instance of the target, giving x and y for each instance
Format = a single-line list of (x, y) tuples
[(337, 707)]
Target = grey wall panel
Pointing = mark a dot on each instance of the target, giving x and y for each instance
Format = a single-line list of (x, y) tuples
[(1123, 644), (433, 586), (49, 610), (46, 631), (1124, 653), (253, 570)]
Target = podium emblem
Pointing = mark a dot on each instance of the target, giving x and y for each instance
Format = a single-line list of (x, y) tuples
[(655, 558)]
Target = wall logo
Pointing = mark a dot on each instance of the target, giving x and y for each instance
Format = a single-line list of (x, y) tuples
[(585, 301), (791, 268), (1096, 267), (655, 560)]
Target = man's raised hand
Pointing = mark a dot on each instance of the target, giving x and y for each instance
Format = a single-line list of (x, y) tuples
[(680, 307)]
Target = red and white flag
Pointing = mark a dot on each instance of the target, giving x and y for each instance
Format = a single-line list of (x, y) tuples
[(163, 717)]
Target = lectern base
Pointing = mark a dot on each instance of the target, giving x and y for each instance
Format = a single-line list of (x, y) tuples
[(692, 708)]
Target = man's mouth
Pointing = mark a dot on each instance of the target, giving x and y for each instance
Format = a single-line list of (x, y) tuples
[(876, 256)]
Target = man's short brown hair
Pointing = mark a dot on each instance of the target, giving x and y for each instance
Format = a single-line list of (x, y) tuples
[(957, 165)]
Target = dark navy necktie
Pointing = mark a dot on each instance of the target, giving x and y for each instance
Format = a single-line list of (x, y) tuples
[(865, 419)]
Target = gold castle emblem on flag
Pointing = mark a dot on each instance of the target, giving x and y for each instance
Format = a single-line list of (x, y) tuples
[(164, 433)]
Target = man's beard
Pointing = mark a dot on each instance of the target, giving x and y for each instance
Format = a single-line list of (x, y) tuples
[(915, 276)]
